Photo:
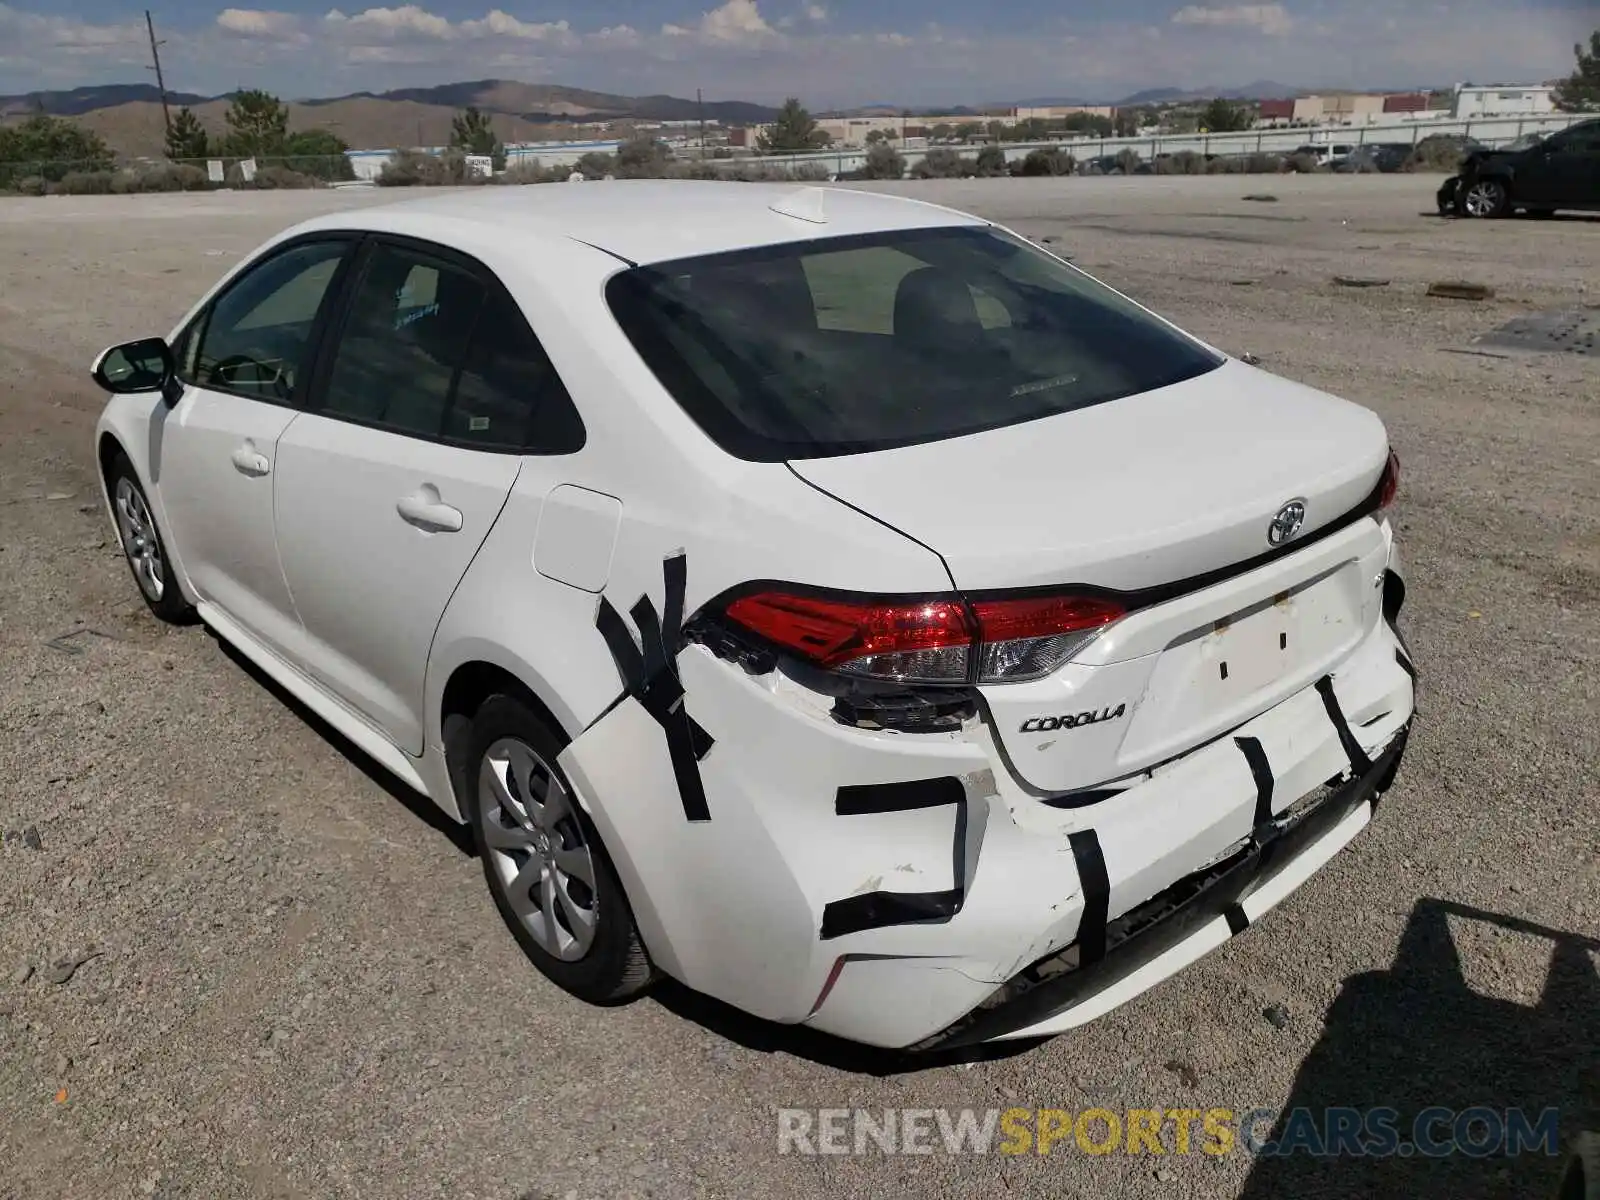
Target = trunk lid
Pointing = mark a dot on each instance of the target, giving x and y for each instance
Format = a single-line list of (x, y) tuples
[(1143, 493), (1130, 494)]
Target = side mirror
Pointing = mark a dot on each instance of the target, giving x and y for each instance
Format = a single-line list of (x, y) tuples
[(133, 367)]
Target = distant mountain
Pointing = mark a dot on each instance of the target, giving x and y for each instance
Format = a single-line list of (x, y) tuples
[(1054, 102), (548, 102), (1262, 89), (77, 101)]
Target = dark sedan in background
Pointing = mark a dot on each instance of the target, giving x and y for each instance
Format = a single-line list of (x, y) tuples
[(1560, 172)]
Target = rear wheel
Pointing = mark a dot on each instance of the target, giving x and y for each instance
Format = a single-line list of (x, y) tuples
[(142, 546), (550, 877), (1485, 198)]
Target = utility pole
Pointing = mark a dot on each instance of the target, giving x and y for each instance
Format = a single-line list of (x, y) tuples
[(700, 107), (161, 83)]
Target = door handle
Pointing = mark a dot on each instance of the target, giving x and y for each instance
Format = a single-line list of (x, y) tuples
[(249, 461), (427, 512)]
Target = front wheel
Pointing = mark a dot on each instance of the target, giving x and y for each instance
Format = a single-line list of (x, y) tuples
[(143, 547), (547, 871), (1485, 198)]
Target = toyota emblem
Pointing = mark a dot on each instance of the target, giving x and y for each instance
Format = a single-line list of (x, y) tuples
[(1286, 523)]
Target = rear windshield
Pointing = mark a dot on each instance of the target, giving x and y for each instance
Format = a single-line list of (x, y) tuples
[(846, 345)]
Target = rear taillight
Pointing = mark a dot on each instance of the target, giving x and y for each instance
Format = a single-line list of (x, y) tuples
[(1389, 483), (936, 640)]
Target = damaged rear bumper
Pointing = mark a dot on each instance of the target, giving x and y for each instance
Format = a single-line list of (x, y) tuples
[(1199, 912)]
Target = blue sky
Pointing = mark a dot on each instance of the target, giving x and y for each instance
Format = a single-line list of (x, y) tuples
[(828, 52)]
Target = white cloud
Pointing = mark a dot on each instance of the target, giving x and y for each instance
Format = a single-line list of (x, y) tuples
[(20, 31), (258, 23), (500, 24), (407, 20), (816, 12), (1270, 19), (738, 22)]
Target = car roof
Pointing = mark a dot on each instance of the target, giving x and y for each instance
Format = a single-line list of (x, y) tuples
[(649, 221)]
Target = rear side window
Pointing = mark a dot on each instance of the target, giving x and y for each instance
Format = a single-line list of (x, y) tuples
[(431, 349), (849, 345)]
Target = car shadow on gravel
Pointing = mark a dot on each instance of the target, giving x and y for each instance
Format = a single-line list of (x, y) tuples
[(769, 1037), (418, 805), (1417, 1036)]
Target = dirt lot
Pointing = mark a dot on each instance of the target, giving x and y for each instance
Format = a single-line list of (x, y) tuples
[(300, 987)]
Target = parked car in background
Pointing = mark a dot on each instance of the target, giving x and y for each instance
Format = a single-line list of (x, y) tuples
[(1561, 171), (1374, 158), (827, 599)]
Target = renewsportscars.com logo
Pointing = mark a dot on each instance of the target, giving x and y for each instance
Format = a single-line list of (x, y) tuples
[(1479, 1132)]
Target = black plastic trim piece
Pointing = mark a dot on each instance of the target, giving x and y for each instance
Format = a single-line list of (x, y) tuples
[(878, 910), (1261, 770), (1238, 920)]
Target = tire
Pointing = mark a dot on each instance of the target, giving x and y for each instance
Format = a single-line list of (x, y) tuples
[(1484, 199), (580, 933), (1447, 196), (143, 547)]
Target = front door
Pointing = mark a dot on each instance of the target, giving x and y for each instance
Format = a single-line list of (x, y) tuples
[(386, 489), (242, 362)]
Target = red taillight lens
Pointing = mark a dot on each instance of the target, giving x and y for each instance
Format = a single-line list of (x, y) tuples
[(1389, 483), (931, 640)]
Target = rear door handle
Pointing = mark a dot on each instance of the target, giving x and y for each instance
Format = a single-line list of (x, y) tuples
[(427, 512), (249, 461)]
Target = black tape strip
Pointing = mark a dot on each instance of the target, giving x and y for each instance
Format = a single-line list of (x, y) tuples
[(1091, 862), (1359, 762), (675, 573), (655, 655), (650, 676), (630, 662), (1238, 919), (1406, 665), (860, 800), (700, 739), (1262, 770), (877, 910)]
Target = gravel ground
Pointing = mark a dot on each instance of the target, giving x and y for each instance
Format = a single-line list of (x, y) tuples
[(290, 982)]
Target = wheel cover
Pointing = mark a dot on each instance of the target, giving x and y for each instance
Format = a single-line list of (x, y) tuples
[(540, 859), (1483, 199), (139, 540)]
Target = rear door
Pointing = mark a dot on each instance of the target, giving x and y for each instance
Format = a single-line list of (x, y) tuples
[(389, 485), (243, 361)]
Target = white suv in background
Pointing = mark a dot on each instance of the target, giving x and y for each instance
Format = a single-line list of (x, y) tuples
[(830, 600)]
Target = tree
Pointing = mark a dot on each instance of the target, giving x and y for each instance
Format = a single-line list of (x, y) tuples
[(874, 136), (472, 133), (1580, 92), (794, 132), (942, 163), (258, 125), (1054, 161), (186, 137), (320, 153), (884, 162), (1222, 116), (49, 147)]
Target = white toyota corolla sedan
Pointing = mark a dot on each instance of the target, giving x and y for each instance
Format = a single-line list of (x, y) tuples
[(830, 600)]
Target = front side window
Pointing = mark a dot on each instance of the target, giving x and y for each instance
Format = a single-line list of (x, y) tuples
[(848, 345), (254, 338)]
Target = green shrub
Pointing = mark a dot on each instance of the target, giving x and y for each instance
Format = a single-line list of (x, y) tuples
[(884, 162), (1306, 164), (1054, 161), (270, 178), (84, 183), (942, 163), (1184, 162), (33, 185), (1437, 153), (532, 172), (991, 162)]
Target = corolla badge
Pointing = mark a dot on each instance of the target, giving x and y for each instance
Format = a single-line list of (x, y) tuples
[(1286, 523)]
